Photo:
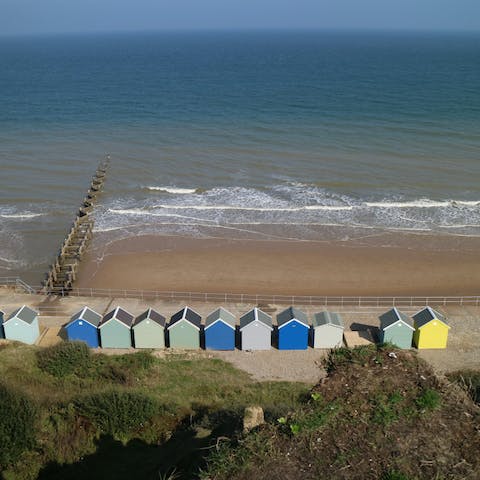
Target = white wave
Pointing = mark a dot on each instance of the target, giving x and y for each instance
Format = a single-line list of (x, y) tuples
[(422, 203), (174, 190), (254, 209), (21, 216)]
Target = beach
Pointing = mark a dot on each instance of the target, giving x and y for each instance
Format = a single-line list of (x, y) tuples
[(182, 264)]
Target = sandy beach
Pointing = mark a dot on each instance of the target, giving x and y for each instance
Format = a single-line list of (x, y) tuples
[(286, 268)]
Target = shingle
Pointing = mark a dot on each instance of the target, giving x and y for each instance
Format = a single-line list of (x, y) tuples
[(89, 316), (426, 315), (120, 315)]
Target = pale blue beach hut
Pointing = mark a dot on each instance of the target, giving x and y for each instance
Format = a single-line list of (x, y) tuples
[(22, 325), (115, 329), (2, 333)]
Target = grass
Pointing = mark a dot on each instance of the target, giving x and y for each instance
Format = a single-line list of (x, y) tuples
[(83, 399)]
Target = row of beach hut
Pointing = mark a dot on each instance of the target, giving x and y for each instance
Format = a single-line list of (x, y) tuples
[(120, 329)]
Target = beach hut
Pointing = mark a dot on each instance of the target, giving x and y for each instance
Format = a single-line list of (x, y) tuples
[(115, 329), (256, 330), (83, 326), (2, 333), (327, 330), (220, 330), (184, 329), (22, 325), (149, 330), (293, 329), (431, 329), (396, 328)]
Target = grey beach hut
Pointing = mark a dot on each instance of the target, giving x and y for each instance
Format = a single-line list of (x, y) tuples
[(22, 325), (327, 330), (256, 330), (149, 330), (115, 329), (396, 328)]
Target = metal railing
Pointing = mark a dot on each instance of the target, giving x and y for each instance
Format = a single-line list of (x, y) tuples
[(324, 301)]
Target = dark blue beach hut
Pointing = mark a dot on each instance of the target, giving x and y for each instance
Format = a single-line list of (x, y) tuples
[(220, 330), (2, 333), (293, 329), (83, 327)]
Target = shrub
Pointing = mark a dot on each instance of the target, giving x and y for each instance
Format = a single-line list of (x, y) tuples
[(428, 400), (64, 359), (117, 413), (17, 425)]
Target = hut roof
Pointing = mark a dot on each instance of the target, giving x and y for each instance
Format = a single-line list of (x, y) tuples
[(118, 314), (290, 314), (187, 314), (87, 314), (393, 316), (152, 315), (253, 315), (220, 314), (426, 315), (24, 313), (328, 318)]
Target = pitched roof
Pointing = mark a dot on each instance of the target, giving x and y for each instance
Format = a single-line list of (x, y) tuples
[(24, 313), (87, 314), (426, 315), (253, 315), (186, 314), (289, 314), (152, 315), (220, 314), (118, 314), (328, 318), (393, 316)]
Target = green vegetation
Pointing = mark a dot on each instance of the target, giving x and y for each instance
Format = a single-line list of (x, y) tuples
[(17, 425), (376, 416), (75, 408), (468, 380)]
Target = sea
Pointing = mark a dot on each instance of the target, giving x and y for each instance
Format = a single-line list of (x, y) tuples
[(256, 135)]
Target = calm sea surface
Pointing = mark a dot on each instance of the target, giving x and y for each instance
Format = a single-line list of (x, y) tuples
[(242, 134)]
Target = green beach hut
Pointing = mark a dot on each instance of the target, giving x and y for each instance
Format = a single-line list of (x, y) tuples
[(22, 325), (396, 328), (184, 329), (149, 330), (115, 329)]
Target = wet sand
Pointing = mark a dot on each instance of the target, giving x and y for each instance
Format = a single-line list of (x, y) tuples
[(284, 268)]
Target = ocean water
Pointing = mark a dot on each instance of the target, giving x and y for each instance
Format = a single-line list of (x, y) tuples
[(248, 135)]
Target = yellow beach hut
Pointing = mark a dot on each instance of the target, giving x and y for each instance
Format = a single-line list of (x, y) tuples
[(431, 329)]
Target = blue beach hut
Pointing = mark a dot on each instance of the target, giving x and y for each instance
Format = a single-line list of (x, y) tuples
[(293, 329), (83, 327), (2, 333), (220, 330)]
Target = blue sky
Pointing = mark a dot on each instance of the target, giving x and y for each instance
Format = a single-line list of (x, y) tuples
[(55, 16)]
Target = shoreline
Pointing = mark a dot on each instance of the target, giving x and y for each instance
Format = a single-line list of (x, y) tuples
[(208, 265)]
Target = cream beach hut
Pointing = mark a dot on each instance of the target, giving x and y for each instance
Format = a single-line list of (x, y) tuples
[(327, 330)]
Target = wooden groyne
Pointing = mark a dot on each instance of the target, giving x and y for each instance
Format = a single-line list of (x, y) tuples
[(63, 272)]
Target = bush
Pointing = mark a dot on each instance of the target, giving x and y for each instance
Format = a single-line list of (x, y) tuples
[(17, 425), (117, 413), (64, 359)]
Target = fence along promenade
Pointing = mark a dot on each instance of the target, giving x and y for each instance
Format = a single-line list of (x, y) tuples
[(385, 301)]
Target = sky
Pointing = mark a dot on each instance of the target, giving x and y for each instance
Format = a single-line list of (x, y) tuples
[(75, 16)]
